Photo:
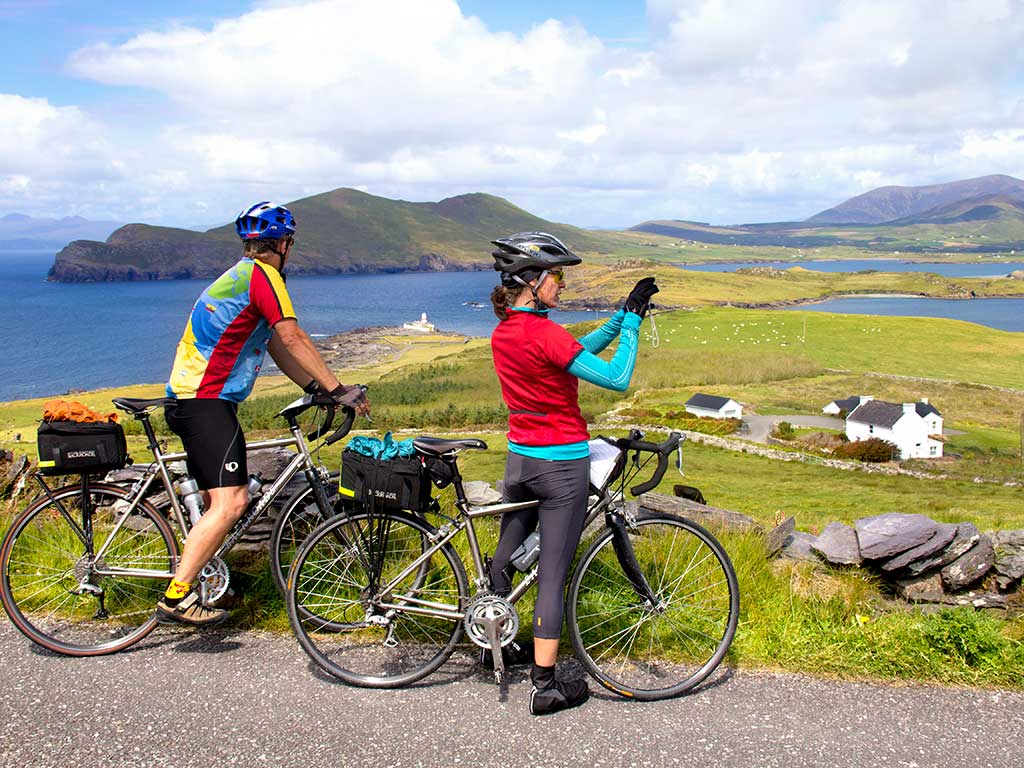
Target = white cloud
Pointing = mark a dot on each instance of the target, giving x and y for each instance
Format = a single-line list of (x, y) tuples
[(739, 109)]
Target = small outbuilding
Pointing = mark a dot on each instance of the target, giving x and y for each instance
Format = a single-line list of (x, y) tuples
[(714, 407), (846, 405)]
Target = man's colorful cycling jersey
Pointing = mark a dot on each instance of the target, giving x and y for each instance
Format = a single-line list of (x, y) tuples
[(226, 336), (531, 354)]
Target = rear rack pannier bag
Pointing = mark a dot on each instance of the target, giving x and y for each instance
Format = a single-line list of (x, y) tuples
[(398, 483), (74, 448)]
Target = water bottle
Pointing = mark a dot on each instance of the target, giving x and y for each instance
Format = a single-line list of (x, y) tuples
[(191, 497), (255, 485), (526, 555)]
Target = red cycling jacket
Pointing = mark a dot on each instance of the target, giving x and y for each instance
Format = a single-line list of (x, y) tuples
[(531, 354)]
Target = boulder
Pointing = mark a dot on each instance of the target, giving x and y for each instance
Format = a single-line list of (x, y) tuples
[(1009, 557), (944, 535), (967, 535), (890, 534), (778, 536), (921, 589), (699, 513), (970, 566), (837, 544), (799, 548), (480, 493)]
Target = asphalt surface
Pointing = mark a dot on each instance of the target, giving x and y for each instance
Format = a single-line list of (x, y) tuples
[(760, 426), (251, 699)]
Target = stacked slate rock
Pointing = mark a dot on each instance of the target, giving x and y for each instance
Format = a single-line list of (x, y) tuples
[(924, 561)]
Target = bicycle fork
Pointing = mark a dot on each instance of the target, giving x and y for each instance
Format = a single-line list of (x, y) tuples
[(627, 559)]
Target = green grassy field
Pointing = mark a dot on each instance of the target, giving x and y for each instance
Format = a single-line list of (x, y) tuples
[(775, 362)]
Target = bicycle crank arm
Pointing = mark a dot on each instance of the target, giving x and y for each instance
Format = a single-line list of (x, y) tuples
[(493, 629)]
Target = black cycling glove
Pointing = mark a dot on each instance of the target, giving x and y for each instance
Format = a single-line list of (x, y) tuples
[(639, 299), (351, 396), (313, 388)]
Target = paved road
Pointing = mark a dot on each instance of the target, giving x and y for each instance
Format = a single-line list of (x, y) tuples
[(760, 426), (249, 699)]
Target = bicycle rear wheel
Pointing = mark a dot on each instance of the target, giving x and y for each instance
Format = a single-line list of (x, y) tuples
[(50, 587), (645, 651), (349, 627)]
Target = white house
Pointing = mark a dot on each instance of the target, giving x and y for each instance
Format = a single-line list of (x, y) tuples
[(846, 405), (915, 428), (714, 407)]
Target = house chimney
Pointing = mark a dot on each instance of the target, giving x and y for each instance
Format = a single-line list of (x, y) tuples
[(865, 398), (909, 408), (924, 400)]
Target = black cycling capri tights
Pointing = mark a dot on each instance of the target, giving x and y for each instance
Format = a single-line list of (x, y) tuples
[(562, 488)]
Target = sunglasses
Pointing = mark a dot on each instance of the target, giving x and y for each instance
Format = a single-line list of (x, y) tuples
[(557, 274)]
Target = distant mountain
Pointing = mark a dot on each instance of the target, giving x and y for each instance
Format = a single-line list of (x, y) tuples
[(338, 232), (23, 232), (985, 214), (888, 204)]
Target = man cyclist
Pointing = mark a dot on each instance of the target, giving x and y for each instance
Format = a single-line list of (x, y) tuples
[(539, 365), (242, 315)]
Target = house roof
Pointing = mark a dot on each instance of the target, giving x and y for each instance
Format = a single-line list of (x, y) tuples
[(714, 402), (848, 404), (923, 409), (877, 412)]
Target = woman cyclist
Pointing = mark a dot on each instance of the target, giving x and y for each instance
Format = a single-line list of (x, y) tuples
[(539, 365)]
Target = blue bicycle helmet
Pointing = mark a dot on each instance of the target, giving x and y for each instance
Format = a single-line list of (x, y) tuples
[(265, 221)]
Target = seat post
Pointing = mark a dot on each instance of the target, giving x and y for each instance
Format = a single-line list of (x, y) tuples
[(148, 429)]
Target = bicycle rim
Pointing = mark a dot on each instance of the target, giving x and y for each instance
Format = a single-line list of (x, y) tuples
[(654, 652), (49, 588), (332, 609), (292, 527)]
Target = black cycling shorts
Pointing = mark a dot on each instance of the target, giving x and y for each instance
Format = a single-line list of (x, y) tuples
[(213, 440)]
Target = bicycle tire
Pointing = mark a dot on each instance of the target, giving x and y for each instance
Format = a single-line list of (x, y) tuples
[(297, 519), (330, 608), (43, 560), (656, 653)]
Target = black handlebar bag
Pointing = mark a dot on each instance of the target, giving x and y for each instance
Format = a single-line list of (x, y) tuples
[(77, 448), (399, 483)]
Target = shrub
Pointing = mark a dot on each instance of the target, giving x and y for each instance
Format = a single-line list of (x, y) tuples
[(964, 635), (784, 431), (873, 450)]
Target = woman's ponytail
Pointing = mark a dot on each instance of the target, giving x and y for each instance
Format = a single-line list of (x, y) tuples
[(500, 298)]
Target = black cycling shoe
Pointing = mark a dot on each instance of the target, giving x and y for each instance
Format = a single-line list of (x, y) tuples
[(549, 695), (515, 654)]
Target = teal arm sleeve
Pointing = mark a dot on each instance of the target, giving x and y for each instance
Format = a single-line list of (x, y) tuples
[(615, 373), (599, 338)]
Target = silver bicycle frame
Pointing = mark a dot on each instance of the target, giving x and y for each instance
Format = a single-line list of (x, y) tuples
[(303, 461)]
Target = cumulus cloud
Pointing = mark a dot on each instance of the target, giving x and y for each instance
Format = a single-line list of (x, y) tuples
[(737, 110)]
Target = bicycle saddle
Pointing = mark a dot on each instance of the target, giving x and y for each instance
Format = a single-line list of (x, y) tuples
[(437, 446), (138, 405)]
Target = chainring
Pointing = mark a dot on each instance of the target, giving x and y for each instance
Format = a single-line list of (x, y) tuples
[(214, 580), (486, 608)]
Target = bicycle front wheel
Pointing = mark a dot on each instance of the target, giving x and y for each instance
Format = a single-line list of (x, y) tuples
[(368, 605), (299, 516), (646, 651), (54, 558)]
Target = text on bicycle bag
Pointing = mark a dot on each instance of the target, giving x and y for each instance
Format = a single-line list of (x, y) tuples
[(398, 483), (72, 448)]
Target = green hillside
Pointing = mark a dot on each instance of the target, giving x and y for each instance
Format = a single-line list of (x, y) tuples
[(340, 231)]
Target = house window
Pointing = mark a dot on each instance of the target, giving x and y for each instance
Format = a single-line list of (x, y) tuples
[(871, 429), (933, 451)]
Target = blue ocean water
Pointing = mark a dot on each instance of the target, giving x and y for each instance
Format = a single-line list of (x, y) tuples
[(94, 335), (991, 267), (1004, 314), (91, 335)]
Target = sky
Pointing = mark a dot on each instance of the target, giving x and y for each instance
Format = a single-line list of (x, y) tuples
[(594, 113)]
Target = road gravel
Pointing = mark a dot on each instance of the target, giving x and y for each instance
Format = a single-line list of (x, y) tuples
[(224, 698)]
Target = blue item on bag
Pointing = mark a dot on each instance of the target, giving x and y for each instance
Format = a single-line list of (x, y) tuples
[(384, 449)]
